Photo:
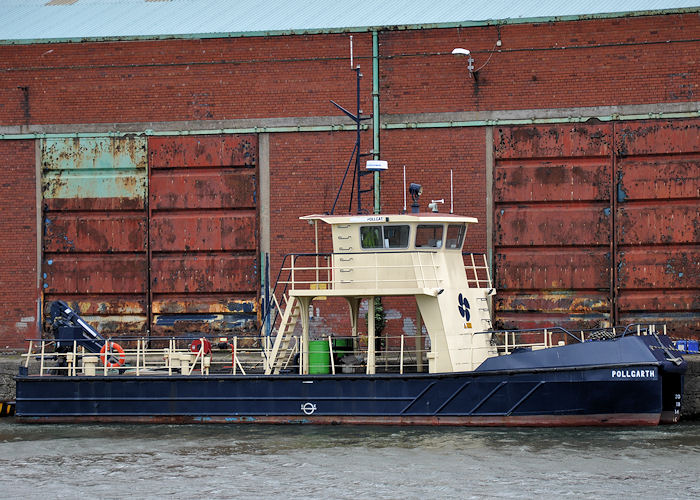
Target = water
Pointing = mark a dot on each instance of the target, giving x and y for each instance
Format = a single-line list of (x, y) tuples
[(250, 461)]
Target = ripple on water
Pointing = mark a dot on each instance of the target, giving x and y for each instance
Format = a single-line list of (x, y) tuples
[(247, 461)]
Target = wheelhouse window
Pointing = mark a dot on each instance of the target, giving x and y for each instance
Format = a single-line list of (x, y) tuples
[(429, 236), (455, 236), (373, 237)]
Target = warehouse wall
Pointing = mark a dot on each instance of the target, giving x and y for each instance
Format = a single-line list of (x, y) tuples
[(636, 60), (18, 247), (563, 69)]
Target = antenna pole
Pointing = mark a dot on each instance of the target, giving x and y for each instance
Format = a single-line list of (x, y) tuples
[(357, 142), (351, 63), (404, 189), (357, 118), (451, 194)]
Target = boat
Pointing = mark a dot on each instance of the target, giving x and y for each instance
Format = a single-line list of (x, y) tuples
[(470, 374)]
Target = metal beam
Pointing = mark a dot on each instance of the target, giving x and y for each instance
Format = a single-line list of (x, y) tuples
[(340, 123), (358, 29)]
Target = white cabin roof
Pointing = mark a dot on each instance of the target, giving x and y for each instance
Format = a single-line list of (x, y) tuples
[(429, 217)]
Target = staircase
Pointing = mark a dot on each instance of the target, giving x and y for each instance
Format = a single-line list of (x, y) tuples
[(279, 356)]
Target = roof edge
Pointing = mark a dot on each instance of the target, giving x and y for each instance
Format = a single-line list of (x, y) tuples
[(358, 29)]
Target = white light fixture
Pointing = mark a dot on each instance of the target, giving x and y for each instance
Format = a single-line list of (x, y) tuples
[(458, 51), (377, 165), (470, 61)]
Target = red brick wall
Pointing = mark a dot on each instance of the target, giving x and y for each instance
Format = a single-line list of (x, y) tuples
[(214, 79), (18, 244), (549, 65), (579, 63), (635, 60), (429, 155)]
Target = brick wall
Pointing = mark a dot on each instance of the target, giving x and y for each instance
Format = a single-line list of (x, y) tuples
[(538, 66), (18, 243), (169, 80), (634, 60), (579, 63)]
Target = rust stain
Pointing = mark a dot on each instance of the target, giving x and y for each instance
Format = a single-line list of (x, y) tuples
[(203, 151)]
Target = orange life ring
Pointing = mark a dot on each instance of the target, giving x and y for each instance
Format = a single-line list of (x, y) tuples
[(113, 347)]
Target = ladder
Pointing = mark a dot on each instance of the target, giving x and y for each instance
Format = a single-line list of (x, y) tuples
[(487, 311), (281, 348)]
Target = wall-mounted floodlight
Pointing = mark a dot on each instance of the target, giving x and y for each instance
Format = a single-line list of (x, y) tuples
[(415, 191), (470, 60), (377, 165)]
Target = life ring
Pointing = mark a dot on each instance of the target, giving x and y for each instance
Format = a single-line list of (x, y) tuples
[(113, 348), (196, 345)]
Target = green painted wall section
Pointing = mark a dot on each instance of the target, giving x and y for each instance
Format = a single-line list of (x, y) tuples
[(97, 167)]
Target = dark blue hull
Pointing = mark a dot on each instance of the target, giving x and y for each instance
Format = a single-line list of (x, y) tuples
[(645, 392)]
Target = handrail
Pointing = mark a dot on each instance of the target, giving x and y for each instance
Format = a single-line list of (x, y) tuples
[(173, 355)]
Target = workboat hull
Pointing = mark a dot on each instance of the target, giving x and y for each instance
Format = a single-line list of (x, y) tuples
[(628, 381), (592, 396)]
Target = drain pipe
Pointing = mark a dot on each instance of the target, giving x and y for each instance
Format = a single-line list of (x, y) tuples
[(375, 115)]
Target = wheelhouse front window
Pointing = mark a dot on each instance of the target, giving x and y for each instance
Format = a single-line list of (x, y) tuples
[(455, 236), (429, 236), (372, 237)]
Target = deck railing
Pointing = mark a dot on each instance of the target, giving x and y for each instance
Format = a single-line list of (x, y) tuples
[(243, 355), (329, 271)]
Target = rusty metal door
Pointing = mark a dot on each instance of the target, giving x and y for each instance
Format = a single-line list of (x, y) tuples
[(203, 234), (552, 225), (94, 230), (598, 224), (657, 228), (171, 252)]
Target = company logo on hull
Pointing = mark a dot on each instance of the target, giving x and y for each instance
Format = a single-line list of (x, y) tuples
[(308, 408), (632, 373)]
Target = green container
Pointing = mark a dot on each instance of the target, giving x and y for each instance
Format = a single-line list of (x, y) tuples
[(342, 346), (319, 357)]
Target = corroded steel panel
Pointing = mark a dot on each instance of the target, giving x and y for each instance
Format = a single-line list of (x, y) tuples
[(653, 137), (546, 319), (70, 232), (94, 230), (658, 268), (94, 169), (618, 220), (218, 151), (658, 178), (552, 225), (652, 300), (657, 223), (203, 274), (558, 302), (94, 274), (223, 324), (203, 234), (580, 179), (203, 190), (564, 140), (203, 303), (552, 269), (188, 232), (94, 153), (541, 309)]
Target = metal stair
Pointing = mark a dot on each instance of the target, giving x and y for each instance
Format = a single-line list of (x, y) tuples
[(279, 356)]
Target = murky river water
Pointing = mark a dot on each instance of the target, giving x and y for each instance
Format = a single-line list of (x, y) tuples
[(116, 461)]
